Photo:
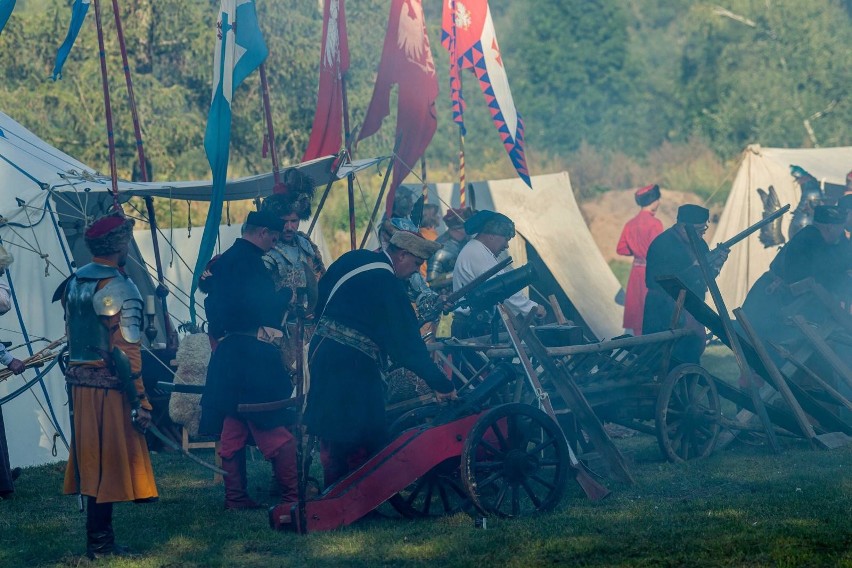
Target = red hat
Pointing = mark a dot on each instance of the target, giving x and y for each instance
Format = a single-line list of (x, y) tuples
[(647, 195), (104, 225), (109, 234)]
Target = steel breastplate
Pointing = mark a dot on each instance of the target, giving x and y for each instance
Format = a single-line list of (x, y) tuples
[(287, 264), (87, 336)]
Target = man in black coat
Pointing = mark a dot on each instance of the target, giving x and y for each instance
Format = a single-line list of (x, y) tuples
[(364, 317), (246, 367), (819, 251), (670, 254)]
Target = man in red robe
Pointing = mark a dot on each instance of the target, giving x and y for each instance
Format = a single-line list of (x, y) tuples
[(635, 239)]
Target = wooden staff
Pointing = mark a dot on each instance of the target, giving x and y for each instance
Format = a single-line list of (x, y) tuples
[(171, 333), (270, 131), (350, 179), (378, 204), (593, 490), (710, 280), (776, 376), (113, 173)]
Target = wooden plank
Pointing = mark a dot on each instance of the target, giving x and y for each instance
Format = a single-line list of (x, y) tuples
[(594, 490), (705, 314), (825, 298), (603, 346), (778, 380), (834, 440), (557, 310), (710, 280), (831, 391), (824, 350), (574, 399)]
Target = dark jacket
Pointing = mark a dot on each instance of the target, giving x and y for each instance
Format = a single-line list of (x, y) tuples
[(670, 254), (243, 369), (346, 399)]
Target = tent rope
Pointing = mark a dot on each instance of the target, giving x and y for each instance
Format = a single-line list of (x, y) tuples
[(52, 414)]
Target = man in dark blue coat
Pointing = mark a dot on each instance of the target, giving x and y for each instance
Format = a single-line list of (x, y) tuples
[(246, 367), (364, 317), (670, 254)]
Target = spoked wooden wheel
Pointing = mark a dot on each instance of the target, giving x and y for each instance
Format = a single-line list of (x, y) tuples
[(515, 461), (687, 415), (437, 493)]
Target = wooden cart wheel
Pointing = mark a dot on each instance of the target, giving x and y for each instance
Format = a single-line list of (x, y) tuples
[(437, 493), (515, 461), (687, 415)]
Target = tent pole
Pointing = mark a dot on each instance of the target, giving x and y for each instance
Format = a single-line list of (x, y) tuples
[(162, 290), (107, 106), (350, 179), (270, 132), (53, 418), (379, 200)]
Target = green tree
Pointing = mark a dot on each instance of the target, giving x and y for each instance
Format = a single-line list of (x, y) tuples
[(775, 73)]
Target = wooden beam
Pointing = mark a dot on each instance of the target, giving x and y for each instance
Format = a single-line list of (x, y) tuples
[(776, 376), (824, 350), (574, 399), (710, 280)]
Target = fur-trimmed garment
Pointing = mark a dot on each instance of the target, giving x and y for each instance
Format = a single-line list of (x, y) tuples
[(193, 357)]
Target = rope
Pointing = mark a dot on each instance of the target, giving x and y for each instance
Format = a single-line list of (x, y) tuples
[(28, 385), (58, 235), (54, 420)]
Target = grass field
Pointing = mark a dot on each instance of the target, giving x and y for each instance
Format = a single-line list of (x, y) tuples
[(741, 507)]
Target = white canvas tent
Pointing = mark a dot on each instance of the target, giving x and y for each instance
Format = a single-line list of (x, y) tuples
[(45, 199), (548, 220), (760, 168), (180, 253)]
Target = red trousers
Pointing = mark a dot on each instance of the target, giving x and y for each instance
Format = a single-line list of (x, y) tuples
[(235, 434), (339, 459)]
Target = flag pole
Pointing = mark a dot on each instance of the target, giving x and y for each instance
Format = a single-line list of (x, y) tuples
[(162, 290), (270, 132), (350, 179), (107, 106), (379, 199), (425, 191), (462, 185)]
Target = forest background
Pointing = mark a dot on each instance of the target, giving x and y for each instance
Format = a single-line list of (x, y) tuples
[(620, 93)]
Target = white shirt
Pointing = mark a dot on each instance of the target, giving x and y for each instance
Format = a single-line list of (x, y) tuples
[(474, 259)]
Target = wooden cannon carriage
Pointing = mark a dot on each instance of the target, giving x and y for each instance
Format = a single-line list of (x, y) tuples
[(508, 459)]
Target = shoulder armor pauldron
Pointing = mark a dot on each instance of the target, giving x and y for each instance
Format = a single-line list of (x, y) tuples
[(305, 244), (121, 296)]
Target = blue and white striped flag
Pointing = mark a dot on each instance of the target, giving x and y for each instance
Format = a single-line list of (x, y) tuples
[(78, 14), (6, 7), (240, 50)]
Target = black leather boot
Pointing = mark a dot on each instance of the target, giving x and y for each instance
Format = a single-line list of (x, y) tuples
[(100, 539)]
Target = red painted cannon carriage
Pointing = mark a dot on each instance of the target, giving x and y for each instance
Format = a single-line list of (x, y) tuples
[(505, 459)]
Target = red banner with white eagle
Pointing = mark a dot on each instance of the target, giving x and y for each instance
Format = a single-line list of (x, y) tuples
[(407, 62), (467, 32), (327, 129)]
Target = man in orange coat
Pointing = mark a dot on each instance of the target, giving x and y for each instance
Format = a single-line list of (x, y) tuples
[(109, 461), (635, 239)]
